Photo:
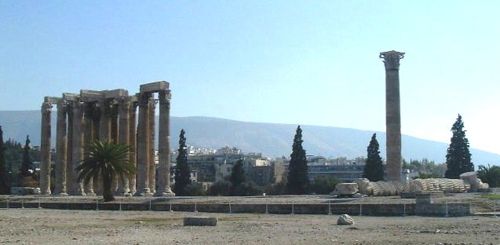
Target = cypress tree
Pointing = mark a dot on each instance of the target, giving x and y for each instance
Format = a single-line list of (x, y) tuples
[(27, 163), (298, 180), (458, 157), (182, 171), (374, 170), (237, 174), (4, 188)]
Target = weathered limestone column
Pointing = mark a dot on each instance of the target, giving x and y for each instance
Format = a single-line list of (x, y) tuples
[(123, 137), (142, 146), (69, 148), (105, 121), (45, 148), (133, 145), (61, 149), (89, 137), (114, 122), (151, 146), (393, 114), (164, 146), (76, 187)]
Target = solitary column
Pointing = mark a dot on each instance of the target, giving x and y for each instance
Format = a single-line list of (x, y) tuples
[(393, 114), (123, 137), (132, 143), (151, 146), (61, 147), (76, 187), (45, 149), (142, 148), (164, 146)]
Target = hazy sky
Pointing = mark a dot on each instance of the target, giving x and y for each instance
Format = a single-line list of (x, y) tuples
[(299, 62)]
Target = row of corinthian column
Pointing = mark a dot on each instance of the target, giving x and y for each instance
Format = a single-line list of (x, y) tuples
[(107, 116)]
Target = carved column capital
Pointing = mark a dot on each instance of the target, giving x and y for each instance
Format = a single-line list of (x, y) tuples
[(46, 107), (391, 59)]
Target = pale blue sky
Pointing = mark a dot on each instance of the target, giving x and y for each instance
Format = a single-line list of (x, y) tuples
[(300, 62)]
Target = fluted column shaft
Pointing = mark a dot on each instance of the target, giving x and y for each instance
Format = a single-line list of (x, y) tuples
[(61, 149), (393, 114), (164, 146), (45, 149), (89, 137), (69, 148), (123, 137), (76, 187), (142, 146), (105, 122), (133, 146), (151, 146)]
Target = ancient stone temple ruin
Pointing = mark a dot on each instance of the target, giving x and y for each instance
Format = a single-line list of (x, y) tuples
[(108, 115)]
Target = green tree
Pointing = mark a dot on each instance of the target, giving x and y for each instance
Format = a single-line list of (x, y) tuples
[(182, 171), (237, 173), (4, 186), (220, 188), (490, 175), (106, 160), (27, 168), (13, 154), (324, 184), (237, 177), (374, 169), (298, 180), (458, 157)]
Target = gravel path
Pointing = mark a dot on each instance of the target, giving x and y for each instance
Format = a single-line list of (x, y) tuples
[(40, 226)]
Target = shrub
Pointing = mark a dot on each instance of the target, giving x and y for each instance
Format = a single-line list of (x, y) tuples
[(276, 189), (323, 184), (490, 175), (220, 188), (195, 189), (247, 188)]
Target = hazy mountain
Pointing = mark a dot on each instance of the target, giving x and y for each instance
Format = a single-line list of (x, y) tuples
[(267, 138)]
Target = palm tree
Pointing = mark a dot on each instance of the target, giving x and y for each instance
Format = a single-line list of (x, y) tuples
[(105, 160)]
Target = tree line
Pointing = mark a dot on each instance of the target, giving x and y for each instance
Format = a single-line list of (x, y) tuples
[(109, 161)]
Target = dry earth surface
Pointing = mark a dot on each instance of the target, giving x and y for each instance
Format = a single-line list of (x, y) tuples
[(42, 226)]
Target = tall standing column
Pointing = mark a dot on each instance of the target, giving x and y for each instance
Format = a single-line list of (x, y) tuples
[(104, 134), (76, 187), (61, 149), (142, 147), (133, 145), (393, 114), (164, 146), (45, 148), (114, 122), (123, 138), (151, 146), (105, 122), (69, 148), (89, 137)]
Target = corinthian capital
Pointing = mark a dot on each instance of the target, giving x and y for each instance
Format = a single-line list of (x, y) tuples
[(391, 59)]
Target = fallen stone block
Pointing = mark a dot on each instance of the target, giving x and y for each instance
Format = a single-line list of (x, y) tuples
[(200, 221), (345, 219), (346, 188)]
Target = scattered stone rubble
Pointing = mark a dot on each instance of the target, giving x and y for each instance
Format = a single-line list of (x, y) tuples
[(467, 182)]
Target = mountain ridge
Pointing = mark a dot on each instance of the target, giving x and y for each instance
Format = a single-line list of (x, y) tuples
[(270, 139)]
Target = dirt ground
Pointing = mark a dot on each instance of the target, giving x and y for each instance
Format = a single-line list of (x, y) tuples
[(41, 226)]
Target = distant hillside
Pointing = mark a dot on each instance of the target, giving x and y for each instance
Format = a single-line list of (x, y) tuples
[(267, 138)]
